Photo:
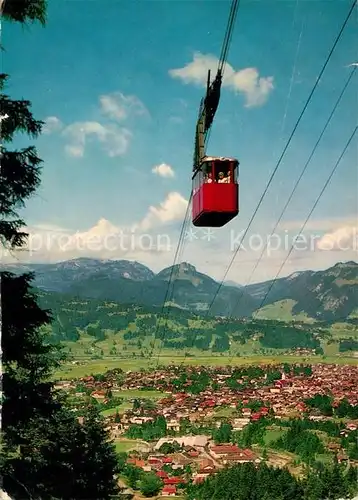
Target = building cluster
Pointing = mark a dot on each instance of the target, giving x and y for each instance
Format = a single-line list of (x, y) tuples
[(197, 452), (283, 398)]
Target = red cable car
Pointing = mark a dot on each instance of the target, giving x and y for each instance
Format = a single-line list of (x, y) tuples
[(215, 192)]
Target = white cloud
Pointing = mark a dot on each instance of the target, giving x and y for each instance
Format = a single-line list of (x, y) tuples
[(173, 208), (115, 140), (117, 106), (48, 242), (153, 242), (52, 124), (341, 239), (163, 170), (248, 81), (102, 228)]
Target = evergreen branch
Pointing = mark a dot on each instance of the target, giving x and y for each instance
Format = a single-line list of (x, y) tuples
[(25, 11)]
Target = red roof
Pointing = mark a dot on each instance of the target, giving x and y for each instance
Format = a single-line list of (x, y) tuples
[(225, 449), (167, 460), (256, 416), (169, 489), (136, 462), (162, 474), (173, 480)]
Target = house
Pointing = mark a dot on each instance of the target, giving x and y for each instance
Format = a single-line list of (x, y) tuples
[(222, 450), (169, 490), (173, 426), (206, 468), (136, 462), (173, 480), (239, 423), (243, 456), (162, 474), (255, 417), (140, 420), (193, 441), (154, 461), (98, 394), (199, 478), (232, 453)]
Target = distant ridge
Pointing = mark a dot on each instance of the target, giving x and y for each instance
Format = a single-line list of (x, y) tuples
[(323, 295)]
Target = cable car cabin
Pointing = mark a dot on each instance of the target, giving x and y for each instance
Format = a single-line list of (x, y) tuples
[(215, 192)]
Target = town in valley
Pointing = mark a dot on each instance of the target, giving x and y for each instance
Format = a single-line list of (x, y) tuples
[(185, 424)]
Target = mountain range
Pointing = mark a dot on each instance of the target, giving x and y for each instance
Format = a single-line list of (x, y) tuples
[(326, 295)]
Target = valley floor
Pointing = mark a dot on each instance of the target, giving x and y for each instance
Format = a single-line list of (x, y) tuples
[(82, 367)]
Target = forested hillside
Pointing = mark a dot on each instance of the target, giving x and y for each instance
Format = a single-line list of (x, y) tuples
[(115, 328)]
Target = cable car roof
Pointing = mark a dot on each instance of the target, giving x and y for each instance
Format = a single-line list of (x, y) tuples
[(218, 158)]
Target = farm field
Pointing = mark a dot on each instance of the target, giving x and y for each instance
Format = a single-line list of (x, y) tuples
[(125, 445), (128, 397), (71, 369)]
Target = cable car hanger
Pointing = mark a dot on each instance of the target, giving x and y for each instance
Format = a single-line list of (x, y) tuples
[(209, 104)]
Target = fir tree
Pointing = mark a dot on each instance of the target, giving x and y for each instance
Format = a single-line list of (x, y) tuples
[(46, 454)]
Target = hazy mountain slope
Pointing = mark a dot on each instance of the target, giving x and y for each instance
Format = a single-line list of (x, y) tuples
[(189, 289), (63, 276), (328, 295)]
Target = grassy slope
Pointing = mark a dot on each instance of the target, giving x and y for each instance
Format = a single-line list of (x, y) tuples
[(282, 310)]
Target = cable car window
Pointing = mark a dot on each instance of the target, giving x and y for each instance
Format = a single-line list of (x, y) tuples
[(222, 171), (206, 167), (235, 167), (207, 172), (199, 177)]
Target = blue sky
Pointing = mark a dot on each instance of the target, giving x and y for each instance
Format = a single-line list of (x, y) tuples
[(106, 67)]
